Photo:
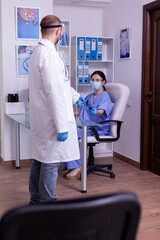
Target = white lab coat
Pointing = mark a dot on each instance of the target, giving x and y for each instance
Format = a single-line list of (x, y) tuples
[(51, 100)]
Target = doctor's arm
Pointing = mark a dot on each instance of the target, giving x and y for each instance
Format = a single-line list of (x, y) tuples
[(77, 98)]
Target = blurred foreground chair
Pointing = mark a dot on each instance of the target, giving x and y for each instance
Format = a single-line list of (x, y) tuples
[(119, 94), (109, 217)]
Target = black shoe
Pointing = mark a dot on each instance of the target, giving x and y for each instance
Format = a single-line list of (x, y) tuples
[(33, 202)]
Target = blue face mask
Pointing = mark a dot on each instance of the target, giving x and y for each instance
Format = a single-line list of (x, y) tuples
[(96, 85), (59, 43)]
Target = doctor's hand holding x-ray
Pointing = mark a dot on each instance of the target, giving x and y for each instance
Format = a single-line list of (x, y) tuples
[(53, 126)]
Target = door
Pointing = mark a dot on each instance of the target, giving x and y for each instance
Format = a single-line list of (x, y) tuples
[(154, 99), (150, 118)]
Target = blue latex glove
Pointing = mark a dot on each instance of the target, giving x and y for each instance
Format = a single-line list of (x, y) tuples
[(62, 136), (80, 102), (93, 111)]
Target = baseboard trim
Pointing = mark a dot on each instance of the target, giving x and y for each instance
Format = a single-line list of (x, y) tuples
[(127, 160), (27, 162), (11, 163)]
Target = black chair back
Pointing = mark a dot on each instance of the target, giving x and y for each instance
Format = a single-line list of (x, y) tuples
[(110, 217)]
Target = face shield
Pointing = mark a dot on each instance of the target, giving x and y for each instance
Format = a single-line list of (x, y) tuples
[(98, 79), (63, 28), (64, 38), (51, 26)]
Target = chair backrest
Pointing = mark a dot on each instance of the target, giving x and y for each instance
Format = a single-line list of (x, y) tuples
[(111, 217), (119, 94)]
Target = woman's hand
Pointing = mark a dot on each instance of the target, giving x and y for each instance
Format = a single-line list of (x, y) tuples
[(76, 113), (95, 112)]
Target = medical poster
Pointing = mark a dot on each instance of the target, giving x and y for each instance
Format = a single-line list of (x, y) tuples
[(23, 56), (27, 23), (125, 43)]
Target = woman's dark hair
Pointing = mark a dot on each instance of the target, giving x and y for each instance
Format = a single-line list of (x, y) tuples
[(101, 74)]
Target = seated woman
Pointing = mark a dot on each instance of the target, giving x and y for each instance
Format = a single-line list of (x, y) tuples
[(97, 109)]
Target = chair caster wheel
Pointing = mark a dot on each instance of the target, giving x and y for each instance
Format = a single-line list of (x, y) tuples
[(110, 168), (112, 175)]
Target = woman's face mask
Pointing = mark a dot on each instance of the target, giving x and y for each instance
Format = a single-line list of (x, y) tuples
[(96, 85)]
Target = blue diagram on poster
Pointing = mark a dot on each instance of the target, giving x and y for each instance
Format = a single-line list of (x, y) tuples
[(23, 56), (27, 23), (125, 51)]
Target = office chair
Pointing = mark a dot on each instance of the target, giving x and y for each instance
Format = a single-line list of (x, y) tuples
[(119, 94), (111, 217)]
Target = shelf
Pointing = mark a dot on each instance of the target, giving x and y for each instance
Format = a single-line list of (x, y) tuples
[(96, 61), (65, 48), (62, 46), (81, 68), (82, 85)]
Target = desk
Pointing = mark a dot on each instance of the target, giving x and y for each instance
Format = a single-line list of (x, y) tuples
[(23, 119), (19, 119)]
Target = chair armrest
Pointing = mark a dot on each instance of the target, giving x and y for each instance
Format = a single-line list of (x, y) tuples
[(119, 123)]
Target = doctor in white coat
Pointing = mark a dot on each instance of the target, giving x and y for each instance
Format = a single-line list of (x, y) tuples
[(53, 128)]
